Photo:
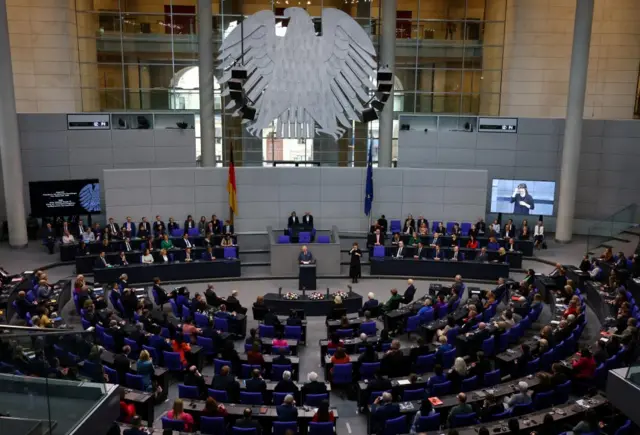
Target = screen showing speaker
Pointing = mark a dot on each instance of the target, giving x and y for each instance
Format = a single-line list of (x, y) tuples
[(522, 197), (65, 197)]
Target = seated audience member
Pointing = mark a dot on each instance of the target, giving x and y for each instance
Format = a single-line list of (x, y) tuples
[(166, 243), (436, 241), (340, 357), (101, 262), (181, 347), (584, 367), (441, 229), (457, 373), (323, 414), (313, 386), (287, 411), (67, 237), (401, 252), (461, 408), (208, 255), (214, 409), (136, 425), (590, 424), (370, 303), (521, 397), (369, 355), (383, 409), (147, 258), (426, 308), (177, 413), (246, 422), (256, 384), (414, 240), (279, 340), (454, 241), (233, 304), (502, 256), (88, 236), (520, 363), (394, 301), (426, 410), (293, 319), (286, 385), (483, 256), (194, 378), (164, 257), (472, 243), (226, 241), (225, 381), (490, 407), (493, 244)]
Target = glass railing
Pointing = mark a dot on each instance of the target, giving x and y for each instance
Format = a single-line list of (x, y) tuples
[(609, 227), (44, 388), (633, 374)]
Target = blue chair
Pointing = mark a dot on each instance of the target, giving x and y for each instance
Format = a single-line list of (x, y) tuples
[(429, 423), (304, 237), (172, 361), (220, 324), (112, 375), (134, 381), (202, 321), (212, 425), (174, 308), (324, 428), (277, 370), (324, 239), (266, 331), (503, 415), (395, 226), (219, 363), (168, 423), (315, 399), (342, 374), (449, 227), (546, 359), (413, 322), (230, 252), (206, 344), (562, 393), (281, 427), (625, 429), (378, 251), (469, 384), (601, 376), (443, 311), (428, 316), (293, 332), (247, 398), (611, 363), (246, 369), (368, 370), (188, 392), (284, 239), (460, 420), (133, 345), (489, 346), (409, 395), (108, 342), (85, 324), (219, 395), (441, 389), (345, 333), (492, 378), (533, 366), (243, 430), (452, 334), (369, 328), (425, 363), (465, 227), (395, 426), (503, 341), (153, 352), (278, 398), (448, 358), (543, 400)]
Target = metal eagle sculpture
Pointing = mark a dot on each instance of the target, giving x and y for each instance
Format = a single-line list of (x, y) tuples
[(310, 84)]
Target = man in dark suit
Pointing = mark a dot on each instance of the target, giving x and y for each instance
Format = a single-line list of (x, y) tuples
[(163, 298), (208, 255), (49, 237), (286, 385), (256, 384), (287, 411), (136, 427), (409, 293), (401, 252), (233, 304), (500, 290), (378, 383), (79, 229), (113, 227), (313, 386), (117, 333), (293, 220), (158, 224), (129, 227), (189, 223), (227, 228), (246, 422), (438, 254), (383, 223), (376, 239), (383, 409), (122, 363), (370, 303), (307, 219), (101, 262), (421, 220), (185, 242), (482, 256), (282, 360), (394, 362), (215, 222), (421, 252), (305, 256), (146, 225), (225, 381), (194, 378), (456, 255)]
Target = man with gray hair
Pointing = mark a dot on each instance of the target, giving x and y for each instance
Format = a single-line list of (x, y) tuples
[(521, 397), (370, 303), (313, 386), (383, 409), (287, 411), (286, 385)]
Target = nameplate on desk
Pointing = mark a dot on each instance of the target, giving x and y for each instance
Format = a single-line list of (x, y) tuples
[(26, 272), (404, 382), (16, 280)]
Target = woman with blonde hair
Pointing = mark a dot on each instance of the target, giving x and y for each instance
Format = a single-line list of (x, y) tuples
[(144, 367), (177, 413), (457, 373)]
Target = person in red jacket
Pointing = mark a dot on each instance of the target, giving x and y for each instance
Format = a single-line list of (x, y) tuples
[(181, 347), (127, 410), (585, 366), (323, 414)]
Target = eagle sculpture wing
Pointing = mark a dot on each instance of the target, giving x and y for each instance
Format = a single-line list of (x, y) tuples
[(349, 54), (256, 36)]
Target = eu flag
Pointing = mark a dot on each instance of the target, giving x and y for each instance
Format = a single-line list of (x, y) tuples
[(368, 193)]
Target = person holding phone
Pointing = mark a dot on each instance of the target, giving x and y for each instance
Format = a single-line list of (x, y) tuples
[(521, 200)]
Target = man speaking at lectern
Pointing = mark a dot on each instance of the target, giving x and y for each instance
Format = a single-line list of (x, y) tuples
[(305, 256)]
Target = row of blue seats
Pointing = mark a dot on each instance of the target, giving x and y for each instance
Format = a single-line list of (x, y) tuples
[(217, 426)]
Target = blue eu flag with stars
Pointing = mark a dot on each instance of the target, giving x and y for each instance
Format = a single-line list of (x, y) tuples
[(368, 193)]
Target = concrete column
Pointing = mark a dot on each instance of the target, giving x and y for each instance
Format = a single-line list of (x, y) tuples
[(573, 124), (10, 142), (205, 53), (388, 60)]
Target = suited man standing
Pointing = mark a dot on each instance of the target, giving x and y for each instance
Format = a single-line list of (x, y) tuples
[(293, 220), (101, 262), (113, 227), (145, 223), (409, 293), (189, 223), (383, 223), (307, 219), (228, 228), (129, 227), (287, 411), (377, 238), (400, 253), (215, 223), (49, 237), (158, 225), (305, 256), (79, 229)]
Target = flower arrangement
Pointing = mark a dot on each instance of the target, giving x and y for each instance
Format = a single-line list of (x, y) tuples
[(340, 293), (316, 296), (291, 296)]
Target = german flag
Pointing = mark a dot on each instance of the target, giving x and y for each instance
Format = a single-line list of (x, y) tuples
[(231, 184)]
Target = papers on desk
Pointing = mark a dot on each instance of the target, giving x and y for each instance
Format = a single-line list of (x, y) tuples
[(407, 406), (435, 401), (403, 382), (555, 322), (583, 403), (16, 279)]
